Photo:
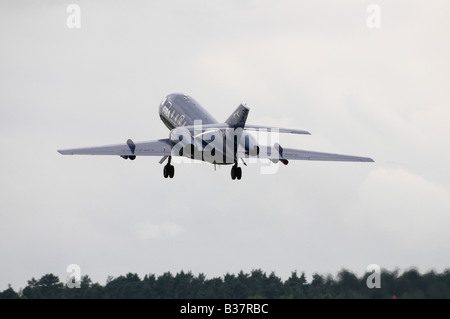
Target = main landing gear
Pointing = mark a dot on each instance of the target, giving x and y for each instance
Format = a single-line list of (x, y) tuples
[(169, 169), (236, 172)]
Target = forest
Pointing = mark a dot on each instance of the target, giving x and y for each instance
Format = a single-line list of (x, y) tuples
[(257, 284)]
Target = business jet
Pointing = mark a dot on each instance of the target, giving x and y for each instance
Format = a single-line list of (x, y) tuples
[(195, 134)]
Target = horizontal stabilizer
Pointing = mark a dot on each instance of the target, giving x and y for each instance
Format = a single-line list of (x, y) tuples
[(269, 129), (249, 127)]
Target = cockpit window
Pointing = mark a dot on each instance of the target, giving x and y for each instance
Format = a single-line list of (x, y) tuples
[(168, 104)]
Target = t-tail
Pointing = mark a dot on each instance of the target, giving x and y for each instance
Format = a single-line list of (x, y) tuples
[(239, 117)]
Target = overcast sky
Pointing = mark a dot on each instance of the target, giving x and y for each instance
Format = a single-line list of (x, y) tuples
[(313, 65)]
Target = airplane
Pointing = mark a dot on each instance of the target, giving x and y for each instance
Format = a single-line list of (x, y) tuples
[(196, 134)]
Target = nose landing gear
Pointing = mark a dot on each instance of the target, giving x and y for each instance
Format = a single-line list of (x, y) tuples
[(169, 169), (236, 172)]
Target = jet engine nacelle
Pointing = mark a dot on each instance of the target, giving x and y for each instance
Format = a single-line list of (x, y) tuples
[(181, 136), (183, 142), (250, 145)]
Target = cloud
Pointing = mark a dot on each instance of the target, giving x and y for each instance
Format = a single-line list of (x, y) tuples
[(165, 230), (404, 216)]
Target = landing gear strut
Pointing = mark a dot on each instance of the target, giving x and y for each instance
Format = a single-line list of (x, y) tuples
[(236, 172), (169, 169)]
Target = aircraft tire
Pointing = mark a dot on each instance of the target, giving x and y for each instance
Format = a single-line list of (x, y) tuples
[(238, 173), (233, 173)]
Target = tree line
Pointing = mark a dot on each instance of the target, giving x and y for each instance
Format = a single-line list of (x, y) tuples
[(256, 284)]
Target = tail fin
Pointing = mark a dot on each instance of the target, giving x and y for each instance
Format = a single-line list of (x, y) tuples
[(239, 117)]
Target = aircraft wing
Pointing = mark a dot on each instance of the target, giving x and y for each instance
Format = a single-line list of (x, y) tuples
[(161, 147), (278, 153)]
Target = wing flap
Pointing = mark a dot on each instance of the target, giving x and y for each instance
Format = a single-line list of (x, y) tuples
[(294, 154), (269, 152), (161, 147)]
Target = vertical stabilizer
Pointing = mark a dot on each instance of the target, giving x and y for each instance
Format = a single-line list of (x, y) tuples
[(239, 117)]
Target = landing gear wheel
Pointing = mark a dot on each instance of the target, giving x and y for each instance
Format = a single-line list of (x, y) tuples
[(238, 173), (233, 173), (171, 171)]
